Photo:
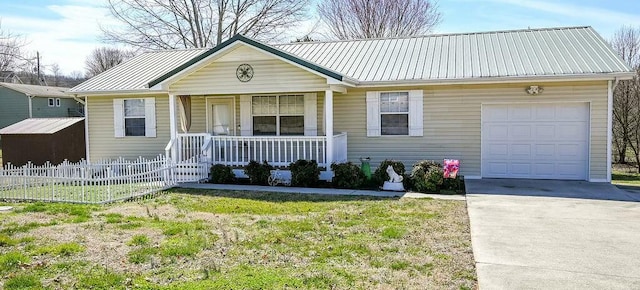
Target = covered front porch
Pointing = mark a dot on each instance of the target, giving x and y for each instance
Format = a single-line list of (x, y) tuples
[(235, 129)]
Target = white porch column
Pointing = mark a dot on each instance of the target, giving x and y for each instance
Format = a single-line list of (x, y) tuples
[(328, 126), (172, 126), (610, 88)]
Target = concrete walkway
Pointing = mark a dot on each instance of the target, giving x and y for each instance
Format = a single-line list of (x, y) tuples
[(328, 191), (551, 188), (541, 242)]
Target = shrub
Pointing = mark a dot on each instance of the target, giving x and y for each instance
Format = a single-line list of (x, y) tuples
[(221, 174), (305, 173), (258, 173), (427, 176), (454, 184), (347, 175), (380, 175)]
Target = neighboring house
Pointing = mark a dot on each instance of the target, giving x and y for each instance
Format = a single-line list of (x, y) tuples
[(42, 140), (533, 103), (19, 102)]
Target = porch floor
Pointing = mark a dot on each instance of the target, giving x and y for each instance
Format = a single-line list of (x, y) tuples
[(327, 191)]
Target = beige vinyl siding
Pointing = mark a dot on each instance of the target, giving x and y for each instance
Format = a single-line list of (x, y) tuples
[(270, 76), (103, 144), (452, 123)]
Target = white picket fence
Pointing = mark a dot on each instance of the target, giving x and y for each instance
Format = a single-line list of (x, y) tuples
[(83, 182)]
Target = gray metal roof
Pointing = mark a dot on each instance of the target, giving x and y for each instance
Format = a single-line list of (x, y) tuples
[(136, 73), (38, 91), (515, 53), (39, 126), (548, 52)]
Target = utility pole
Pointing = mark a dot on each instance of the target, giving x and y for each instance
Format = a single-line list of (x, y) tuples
[(41, 79)]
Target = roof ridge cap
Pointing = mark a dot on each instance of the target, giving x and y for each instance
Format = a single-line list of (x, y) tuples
[(436, 35)]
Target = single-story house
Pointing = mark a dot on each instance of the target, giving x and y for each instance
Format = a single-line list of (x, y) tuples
[(42, 140), (20, 101), (532, 103)]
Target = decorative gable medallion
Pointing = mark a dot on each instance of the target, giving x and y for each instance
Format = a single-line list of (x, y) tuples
[(244, 72)]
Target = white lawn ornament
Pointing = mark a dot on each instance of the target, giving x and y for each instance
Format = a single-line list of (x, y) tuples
[(279, 177), (393, 176), (395, 181)]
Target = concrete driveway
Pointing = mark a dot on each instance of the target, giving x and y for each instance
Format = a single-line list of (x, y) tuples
[(522, 241)]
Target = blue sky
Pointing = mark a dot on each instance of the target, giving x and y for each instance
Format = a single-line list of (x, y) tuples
[(65, 31)]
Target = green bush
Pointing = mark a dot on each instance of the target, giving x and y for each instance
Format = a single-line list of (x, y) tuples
[(454, 184), (305, 173), (221, 174), (380, 175), (258, 173), (427, 176), (347, 175)]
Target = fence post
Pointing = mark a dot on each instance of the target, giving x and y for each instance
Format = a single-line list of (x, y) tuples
[(108, 183), (130, 181), (24, 180), (83, 178)]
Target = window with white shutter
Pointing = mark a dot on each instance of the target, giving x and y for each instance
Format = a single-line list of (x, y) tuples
[(134, 117), (394, 113)]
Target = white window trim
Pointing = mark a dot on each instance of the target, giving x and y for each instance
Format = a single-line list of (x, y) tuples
[(310, 114), (149, 116), (374, 126), (51, 102), (58, 102)]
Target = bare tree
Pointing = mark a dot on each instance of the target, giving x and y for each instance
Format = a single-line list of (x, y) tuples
[(104, 58), (348, 19), (56, 74), (10, 49), (166, 24), (626, 99)]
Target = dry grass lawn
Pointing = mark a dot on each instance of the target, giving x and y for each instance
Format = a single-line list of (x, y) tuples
[(189, 239)]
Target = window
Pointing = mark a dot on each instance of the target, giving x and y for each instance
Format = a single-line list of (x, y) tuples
[(278, 115), (134, 117), (57, 102), (51, 102), (394, 113), (134, 120)]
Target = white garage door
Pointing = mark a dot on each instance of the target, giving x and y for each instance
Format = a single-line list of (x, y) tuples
[(540, 141)]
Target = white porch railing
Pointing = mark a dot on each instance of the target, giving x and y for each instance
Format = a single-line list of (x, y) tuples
[(202, 150), (276, 150)]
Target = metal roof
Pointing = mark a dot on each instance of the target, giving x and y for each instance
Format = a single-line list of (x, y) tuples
[(514, 53), (136, 73), (547, 52), (39, 126), (38, 91)]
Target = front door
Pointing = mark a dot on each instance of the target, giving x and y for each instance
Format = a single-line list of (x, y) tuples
[(221, 116)]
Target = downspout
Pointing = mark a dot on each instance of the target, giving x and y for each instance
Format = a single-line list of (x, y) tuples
[(86, 125), (30, 97), (611, 86)]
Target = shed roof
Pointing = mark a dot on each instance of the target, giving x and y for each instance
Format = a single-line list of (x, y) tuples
[(547, 52), (39, 126), (38, 91)]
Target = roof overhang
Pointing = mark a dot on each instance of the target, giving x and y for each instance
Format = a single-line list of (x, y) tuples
[(162, 83), (117, 92), (501, 80)]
